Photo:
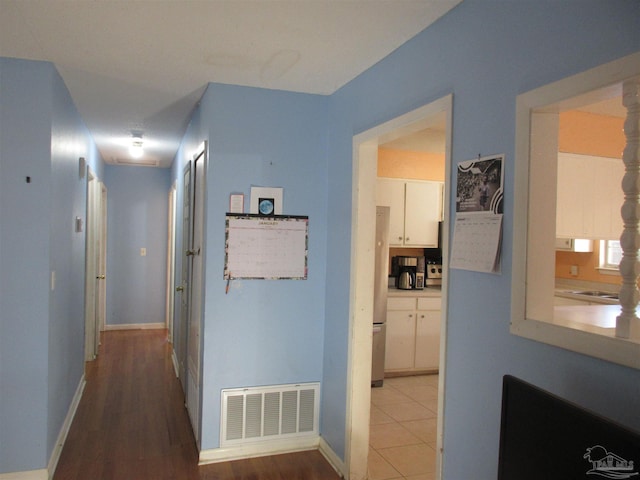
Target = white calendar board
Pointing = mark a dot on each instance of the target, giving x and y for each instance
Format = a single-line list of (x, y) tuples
[(266, 247), (476, 242)]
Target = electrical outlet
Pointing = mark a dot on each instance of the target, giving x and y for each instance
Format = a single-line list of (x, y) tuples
[(574, 270), (143, 252)]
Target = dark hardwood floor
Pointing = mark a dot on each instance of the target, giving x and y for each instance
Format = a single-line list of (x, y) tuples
[(131, 424)]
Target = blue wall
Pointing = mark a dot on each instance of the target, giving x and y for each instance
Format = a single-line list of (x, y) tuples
[(137, 199), (69, 141), (485, 53), (262, 332), (41, 331), (24, 262)]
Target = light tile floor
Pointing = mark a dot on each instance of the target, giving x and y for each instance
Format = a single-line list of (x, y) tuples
[(402, 443)]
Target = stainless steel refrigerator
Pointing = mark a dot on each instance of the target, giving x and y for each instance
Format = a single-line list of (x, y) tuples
[(380, 295)]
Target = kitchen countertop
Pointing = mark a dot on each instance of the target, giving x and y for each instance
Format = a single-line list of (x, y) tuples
[(427, 292), (600, 319)]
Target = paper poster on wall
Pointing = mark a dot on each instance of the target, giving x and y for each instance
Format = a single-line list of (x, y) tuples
[(480, 185), (266, 247), (477, 231)]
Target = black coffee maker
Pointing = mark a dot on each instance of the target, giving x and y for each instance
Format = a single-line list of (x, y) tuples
[(406, 277)]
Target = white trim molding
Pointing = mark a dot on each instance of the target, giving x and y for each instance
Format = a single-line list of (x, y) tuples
[(174, 360), (136, 326), (66, 425), (41, 474), (336, 462), (47, 473), (533, 313), (239, 452)]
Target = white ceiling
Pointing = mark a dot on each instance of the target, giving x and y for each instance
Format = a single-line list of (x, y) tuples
[(141, 66), (427, 135)]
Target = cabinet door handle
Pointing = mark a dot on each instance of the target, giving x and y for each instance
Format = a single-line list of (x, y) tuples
[(407, 239)]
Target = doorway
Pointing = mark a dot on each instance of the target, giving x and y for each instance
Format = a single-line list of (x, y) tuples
[(365, 153)]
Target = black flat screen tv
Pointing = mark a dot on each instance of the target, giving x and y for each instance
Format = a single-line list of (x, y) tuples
[(544, 437)]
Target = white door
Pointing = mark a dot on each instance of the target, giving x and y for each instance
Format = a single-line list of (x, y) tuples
[(171, 264), (101, 283), (95, 265), (196, 255), (184, 287), (188, 344)]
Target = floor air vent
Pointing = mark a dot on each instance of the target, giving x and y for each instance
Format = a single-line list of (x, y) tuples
[(266, 413)]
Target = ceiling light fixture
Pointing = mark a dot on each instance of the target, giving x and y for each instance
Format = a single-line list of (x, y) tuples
[(135, 150)]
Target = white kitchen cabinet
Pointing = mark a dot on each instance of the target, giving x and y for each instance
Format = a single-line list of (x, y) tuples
[(390, 193), (574, 244), (400, 345), (589, 197), (415, 210), (428, 334), (413, 334)]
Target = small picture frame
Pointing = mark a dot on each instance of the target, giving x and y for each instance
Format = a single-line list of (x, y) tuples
[(272, 198), (236, 203), (266, 206)]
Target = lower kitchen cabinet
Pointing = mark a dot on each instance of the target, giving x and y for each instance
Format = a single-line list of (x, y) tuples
[(428, 333), (413, 334), (401, 343)]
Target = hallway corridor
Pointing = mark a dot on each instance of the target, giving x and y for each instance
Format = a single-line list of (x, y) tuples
[(131, 423)]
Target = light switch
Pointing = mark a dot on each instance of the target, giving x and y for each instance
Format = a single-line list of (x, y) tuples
[(143, 252)]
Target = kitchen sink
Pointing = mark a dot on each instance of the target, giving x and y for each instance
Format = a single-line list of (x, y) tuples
[(596, 293)]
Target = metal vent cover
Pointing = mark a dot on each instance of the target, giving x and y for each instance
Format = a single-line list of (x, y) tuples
[(135, 163), (256, 414)]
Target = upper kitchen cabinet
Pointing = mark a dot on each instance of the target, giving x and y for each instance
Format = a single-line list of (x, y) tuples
[(416, 210), (589, 197)]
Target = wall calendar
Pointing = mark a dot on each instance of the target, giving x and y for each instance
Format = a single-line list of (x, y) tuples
[(266, 247)]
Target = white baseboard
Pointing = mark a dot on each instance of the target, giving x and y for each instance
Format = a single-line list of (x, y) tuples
[(41, 474), (66, 425), (331, 456), (47, 473), (174, 360), (259, 449), (136, 326)]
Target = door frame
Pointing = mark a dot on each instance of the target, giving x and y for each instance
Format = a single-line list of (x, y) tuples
[(101, 304), (95, 263), (196, 293), (171, 262), (365, 146), (185, 277)]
